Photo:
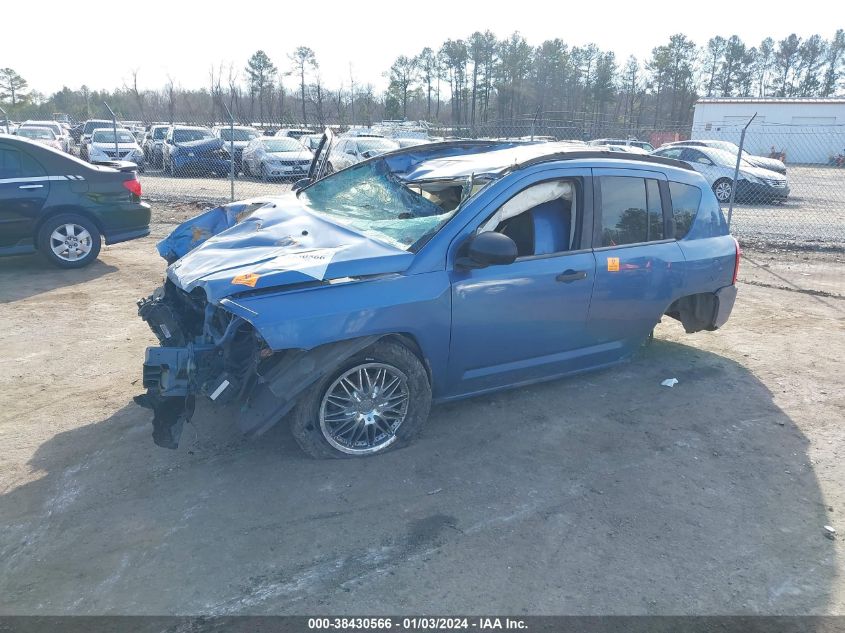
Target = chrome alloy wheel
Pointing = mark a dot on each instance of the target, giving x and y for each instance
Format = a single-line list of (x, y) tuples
[(363, 408), (723, 191), (71, 242)]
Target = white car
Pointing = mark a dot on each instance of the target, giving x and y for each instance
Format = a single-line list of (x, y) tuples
[(101, 147), (41, 135), (348, 151), (61, 133), (755, 184), (275, 157)]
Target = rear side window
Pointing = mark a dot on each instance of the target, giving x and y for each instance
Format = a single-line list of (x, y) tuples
[(685, 201), (630, 210)]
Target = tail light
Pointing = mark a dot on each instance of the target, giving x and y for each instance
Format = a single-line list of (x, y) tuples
[(134, 186), (736, 263)]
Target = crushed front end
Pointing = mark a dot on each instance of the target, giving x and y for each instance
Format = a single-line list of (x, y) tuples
[(204, 350)]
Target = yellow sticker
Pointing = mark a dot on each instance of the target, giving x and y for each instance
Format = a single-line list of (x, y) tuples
[(613, 264), (249, 279)]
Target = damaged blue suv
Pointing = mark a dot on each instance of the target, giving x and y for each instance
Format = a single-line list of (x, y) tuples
[(428, 274)]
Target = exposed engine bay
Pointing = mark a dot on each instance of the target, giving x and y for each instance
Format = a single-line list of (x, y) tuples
[(209, 351)]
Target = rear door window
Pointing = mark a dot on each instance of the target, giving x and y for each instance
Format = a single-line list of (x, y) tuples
[(631, 210), (17, 164)]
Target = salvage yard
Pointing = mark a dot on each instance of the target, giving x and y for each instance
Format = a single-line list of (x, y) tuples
[(605, 493)]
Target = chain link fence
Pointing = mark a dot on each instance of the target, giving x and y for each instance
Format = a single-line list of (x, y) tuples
[(790, 192)]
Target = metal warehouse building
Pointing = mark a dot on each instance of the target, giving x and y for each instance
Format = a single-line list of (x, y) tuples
[(806, 130)]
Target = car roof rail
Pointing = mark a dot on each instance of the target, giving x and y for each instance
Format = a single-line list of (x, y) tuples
[(619, 156)]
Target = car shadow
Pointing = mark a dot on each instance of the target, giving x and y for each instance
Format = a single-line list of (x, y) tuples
[(24, 276), (604, 493)]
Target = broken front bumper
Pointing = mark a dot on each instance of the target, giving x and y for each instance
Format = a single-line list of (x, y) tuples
[(172, 377), (191, 360)]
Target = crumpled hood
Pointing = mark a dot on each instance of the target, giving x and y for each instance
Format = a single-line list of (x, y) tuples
[(202, 144), (274, 244)]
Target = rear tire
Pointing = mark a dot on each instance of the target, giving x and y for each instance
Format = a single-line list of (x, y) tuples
[(722, 189), (311, 418), (69, 240)]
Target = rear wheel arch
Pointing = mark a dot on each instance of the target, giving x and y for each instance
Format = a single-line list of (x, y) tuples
[(61, 210), (695, 312)]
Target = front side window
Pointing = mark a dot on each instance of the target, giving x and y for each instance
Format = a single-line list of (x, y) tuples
[(631, 211), (541, 219)]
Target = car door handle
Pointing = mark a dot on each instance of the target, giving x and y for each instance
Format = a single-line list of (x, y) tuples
[(568, 276), (30, 186)]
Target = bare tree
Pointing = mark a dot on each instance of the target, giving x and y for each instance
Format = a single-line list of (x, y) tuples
[(303, 58), (170, 95), (136, 94)]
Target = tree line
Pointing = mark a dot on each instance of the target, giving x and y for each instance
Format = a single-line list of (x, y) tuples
[(476, 84)]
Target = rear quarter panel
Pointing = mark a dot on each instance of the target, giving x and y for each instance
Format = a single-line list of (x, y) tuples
[(709, 249)]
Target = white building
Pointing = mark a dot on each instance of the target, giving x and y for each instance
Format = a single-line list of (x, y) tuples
[(807, 130)]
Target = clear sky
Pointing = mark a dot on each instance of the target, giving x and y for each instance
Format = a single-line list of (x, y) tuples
[(99, 43)]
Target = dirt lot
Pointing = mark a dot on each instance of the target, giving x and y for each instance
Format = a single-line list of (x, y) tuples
[(605, 493)]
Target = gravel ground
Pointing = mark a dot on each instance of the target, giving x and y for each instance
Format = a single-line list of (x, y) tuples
[(599, 494)]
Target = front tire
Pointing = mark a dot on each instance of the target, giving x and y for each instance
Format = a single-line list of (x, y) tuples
[(379, 399), (69, 241), (722, 189)]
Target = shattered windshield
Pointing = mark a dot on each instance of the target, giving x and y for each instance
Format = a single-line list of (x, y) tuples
[(370, 199)]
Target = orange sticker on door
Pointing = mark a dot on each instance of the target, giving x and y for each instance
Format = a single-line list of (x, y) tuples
[(249, 279), (613, 264)]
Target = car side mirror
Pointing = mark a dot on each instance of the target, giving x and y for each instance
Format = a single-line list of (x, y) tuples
[(488, 249)]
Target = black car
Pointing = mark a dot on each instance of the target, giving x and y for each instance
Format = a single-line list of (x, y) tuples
[(63, 207)]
